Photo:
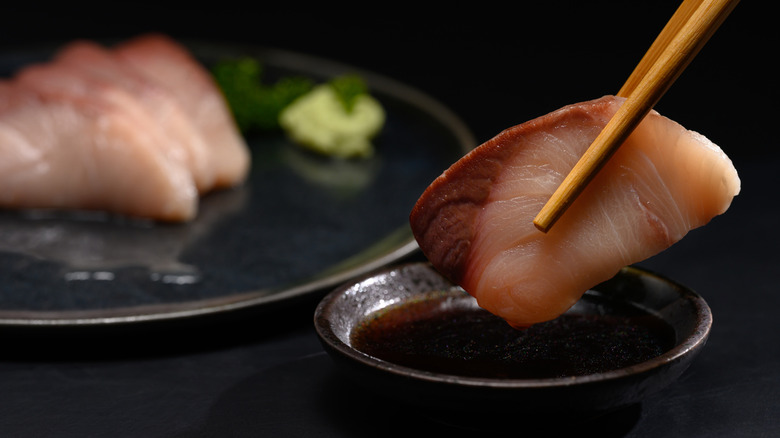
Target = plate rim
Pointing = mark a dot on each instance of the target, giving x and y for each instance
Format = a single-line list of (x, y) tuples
[(403, 243)]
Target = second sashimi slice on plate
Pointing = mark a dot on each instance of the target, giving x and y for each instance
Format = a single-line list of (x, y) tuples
[(475, 222), (139, 129)]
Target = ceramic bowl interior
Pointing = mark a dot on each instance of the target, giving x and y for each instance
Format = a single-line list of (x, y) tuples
[(564, 365)]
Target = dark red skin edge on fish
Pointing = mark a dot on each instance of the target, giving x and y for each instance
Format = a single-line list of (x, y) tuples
[(443, 219)]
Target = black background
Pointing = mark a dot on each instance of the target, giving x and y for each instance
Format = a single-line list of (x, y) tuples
[(494, 65)]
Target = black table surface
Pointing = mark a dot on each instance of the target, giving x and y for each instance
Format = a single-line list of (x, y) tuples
[(261, 373)]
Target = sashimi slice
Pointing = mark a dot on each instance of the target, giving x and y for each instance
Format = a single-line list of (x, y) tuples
[(173, 130), (475, 222), (65, 153), (171, 65), (183, 140)]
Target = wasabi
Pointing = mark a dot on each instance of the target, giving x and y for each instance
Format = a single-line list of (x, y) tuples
[(338, 118), (322, 121)]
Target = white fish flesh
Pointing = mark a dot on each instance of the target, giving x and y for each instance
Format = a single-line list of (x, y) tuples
[(475, 222), (91, 130)]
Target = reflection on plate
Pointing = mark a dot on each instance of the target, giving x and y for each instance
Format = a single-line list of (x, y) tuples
[(625, 339), (301, 223)]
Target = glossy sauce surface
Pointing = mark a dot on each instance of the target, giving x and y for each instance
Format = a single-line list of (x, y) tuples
[(442, 335)]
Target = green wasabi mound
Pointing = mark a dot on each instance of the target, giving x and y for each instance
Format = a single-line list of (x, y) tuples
[(322, 121), (339, 118)]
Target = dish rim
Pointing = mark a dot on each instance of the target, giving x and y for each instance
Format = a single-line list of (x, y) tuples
[(682, 348)]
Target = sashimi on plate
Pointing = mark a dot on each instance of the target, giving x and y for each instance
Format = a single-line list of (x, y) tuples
[(117, 129)]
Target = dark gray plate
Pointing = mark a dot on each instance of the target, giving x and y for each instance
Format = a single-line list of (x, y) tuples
[(302, 222), (594, 386)]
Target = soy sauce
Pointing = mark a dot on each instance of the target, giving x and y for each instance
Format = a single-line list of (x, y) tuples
[(468, 341)]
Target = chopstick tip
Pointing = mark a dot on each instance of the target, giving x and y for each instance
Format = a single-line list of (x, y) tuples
[(543, 223), (541, 227)]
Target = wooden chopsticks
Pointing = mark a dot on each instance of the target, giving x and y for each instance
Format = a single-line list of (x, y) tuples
[(684, 35)]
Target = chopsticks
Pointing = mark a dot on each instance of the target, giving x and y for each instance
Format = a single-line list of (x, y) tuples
[(692, 24)]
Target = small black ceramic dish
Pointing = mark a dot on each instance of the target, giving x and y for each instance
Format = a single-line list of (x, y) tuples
[(409, 334)]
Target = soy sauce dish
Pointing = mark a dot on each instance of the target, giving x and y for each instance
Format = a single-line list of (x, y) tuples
[(408, 334)]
